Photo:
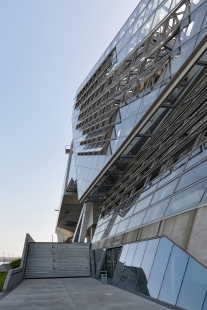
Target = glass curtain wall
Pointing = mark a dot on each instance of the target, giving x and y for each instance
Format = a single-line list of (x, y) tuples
[(160, 269)]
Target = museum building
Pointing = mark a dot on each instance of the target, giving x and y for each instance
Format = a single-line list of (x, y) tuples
[(135, 185)]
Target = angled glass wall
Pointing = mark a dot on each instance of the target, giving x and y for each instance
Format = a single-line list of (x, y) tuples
[(181, 187), (102, 125), (160, 269)]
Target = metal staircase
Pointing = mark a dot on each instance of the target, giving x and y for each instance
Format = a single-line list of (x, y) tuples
[(57, 260)]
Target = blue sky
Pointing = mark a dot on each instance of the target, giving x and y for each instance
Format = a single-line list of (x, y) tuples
[(47, 49)]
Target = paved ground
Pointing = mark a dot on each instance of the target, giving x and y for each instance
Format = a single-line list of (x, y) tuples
[(73, 294)]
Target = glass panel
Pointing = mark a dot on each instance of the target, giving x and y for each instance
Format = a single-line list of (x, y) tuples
[(113, 230), (198, 154), (173, 171), (197, 173), (124, 253), (194, 287), (122, 226), (150, 187), (134, 107), (156, 211), (204, 197), (128, 126), (205, 303), (174, 275), (144, 203), (138, 256), (164, 191), (195, 24), (148, 100), (149, 256), (195, 3), (130, 254), (186, 198), (161, 12), (159, 267), (136, 220), (182, 55)]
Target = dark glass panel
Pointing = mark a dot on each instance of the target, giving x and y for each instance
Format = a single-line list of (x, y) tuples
[(194, 286), (174, 275), (141, 285), (117, 275), (159, 267), (198, 154), (132, 278), (124, 276)]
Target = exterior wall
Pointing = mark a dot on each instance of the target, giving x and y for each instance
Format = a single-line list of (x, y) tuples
[(188, 230)]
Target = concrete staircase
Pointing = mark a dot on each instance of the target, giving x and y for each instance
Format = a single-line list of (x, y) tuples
[(57, 260)]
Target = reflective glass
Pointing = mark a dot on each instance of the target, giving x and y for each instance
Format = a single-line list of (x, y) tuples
[(205, 303), (124, 253), (159, 267), (122, 226), (164, 191), (156, 211), (195, 174), (144, 203), (194, 287), (149, 187), (130, 254), (141, 285), (161, 12), (173, 171), (113, 230), (128, 126), (182, 55), (132, 278), (118, 272), (194, 4), (204, 199), (187, 198), (136, 220), (198, 154), (149, 256), (133, 107), (173, 276), (138, 256)]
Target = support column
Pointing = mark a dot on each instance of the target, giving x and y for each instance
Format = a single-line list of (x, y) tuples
[(84, 223)]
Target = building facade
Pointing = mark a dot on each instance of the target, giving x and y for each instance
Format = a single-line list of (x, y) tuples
[(136, 179)]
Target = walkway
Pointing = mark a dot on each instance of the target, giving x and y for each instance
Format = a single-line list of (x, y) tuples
[(73, 294)]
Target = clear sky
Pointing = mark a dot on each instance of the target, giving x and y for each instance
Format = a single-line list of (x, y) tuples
[(47, 49)]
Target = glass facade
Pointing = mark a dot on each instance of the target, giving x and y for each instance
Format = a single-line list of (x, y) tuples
[(101, 126), (160, 269), (184, 192)]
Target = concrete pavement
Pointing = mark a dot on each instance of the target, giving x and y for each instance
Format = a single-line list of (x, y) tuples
[(73, 294)]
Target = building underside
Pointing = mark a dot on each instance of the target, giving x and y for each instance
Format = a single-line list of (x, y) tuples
[(136, 179)]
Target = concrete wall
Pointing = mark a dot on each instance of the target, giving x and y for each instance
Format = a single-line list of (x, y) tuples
[(5, 267), (15, 276), (188, 230)]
